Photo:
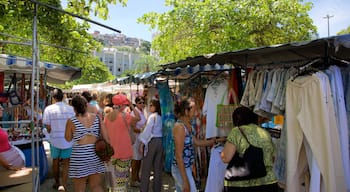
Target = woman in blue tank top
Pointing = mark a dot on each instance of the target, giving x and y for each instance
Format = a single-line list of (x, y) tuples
[(184, 141)]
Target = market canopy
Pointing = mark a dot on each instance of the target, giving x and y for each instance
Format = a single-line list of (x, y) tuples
[(55, 73), (143, 78), (337, 48)]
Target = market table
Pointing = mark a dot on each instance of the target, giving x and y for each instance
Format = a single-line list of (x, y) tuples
[(26, 148), (16, 181)]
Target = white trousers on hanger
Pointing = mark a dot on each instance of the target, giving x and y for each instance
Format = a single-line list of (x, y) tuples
[(216, 172), (337, 88), (310, 114)]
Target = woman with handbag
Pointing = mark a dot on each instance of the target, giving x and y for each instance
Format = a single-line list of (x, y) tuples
[(151, 148), (243, 137), (85, 167), (118, 124), (184, 141)]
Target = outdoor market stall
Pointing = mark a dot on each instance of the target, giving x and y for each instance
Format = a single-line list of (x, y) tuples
[(20, 129), (304, 59)]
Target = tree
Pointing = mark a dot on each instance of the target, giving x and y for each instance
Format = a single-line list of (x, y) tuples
[(55, 29), (146, 63), (200, 27), (344, 31), (145, 47)]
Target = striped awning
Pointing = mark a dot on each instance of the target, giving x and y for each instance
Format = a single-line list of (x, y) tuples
[(142, 78), (56, 73)]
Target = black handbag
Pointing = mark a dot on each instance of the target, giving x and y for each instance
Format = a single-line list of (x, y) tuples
[(13, 96), (250, 165)]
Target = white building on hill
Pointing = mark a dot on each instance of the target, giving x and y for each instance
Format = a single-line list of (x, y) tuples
[(117, 61)]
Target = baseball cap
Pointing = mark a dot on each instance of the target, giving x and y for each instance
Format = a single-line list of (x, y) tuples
[(120, 99)]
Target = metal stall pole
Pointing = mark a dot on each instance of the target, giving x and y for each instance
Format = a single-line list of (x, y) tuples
[(36, 129), (35, 171)]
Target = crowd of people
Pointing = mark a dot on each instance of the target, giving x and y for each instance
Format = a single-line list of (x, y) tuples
[(76, 124)]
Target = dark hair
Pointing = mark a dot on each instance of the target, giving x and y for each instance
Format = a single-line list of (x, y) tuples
[(138, 99), (87, 96), (94, 96), (57, 94), (244, 116), (156, 104), (109, 97), (79, 104), (181, 106)]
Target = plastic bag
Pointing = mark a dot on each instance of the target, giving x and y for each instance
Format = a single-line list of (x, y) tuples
[(109, 175)]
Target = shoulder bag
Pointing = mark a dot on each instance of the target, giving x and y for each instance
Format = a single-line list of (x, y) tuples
[(14, 97), (131, 130), (250, 165), (103, 149)]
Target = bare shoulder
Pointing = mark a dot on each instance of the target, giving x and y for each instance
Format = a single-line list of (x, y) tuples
[(107, 110), (178, 128)]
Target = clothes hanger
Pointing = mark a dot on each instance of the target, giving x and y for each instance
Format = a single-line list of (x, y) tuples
[(307, 69), (339, 62)]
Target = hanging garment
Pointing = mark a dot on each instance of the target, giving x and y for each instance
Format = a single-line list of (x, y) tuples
[(168, 119), (309, 114), (248, 98), (213, 96), (337, 89), (216, 172)]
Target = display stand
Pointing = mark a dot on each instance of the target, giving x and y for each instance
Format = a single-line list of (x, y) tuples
[(38, 151), (39, 154), (42, 161)]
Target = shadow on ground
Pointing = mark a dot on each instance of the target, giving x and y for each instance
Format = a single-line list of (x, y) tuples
[(46, 186)]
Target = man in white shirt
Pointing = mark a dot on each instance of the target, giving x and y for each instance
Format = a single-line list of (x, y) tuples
[(55, 118)]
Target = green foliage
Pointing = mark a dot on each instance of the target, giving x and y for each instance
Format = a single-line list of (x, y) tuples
[(145, 47), (55, 29), (194, 27), (344, 31), (98, 7), (145, 63)]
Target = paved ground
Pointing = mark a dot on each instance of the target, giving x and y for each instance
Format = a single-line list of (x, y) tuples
[(46, 186)]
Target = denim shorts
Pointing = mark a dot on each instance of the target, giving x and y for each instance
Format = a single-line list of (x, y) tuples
[(60, 153), (175, 172)]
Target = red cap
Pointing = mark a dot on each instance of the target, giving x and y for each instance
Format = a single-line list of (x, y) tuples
[(120, 99)]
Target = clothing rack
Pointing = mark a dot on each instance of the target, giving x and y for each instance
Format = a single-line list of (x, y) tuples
[(217, 77), (340, 60), (310, 64), (284, 64)]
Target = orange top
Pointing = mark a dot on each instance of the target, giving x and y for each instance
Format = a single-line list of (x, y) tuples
[(119, 137)]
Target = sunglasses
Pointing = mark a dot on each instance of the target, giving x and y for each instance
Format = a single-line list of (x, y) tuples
[(141, 103)]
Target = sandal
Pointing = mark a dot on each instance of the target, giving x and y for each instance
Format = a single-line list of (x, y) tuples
[(61, 188)]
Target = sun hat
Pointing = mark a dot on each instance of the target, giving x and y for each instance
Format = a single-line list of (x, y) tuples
[(120, 99)]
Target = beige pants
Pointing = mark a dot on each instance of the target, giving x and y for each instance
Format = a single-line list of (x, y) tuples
[(310, 116)]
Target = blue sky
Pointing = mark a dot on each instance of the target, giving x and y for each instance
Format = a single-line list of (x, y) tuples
[(124, 18)]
